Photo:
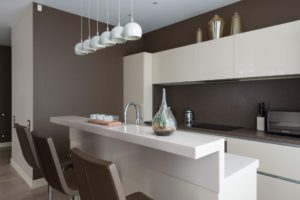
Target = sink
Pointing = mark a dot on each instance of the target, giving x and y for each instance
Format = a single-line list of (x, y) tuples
[(216, 127)]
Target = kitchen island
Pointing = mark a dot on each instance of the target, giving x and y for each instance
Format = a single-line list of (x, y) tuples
[(182, 166)]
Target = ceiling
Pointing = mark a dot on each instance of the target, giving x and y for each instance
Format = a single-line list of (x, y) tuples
[(151, 14)]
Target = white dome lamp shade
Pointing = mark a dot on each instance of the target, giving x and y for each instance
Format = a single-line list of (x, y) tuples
[(87, 44), (132, 30), (116, 34), (78, 49), (96, 39), (105, 36)]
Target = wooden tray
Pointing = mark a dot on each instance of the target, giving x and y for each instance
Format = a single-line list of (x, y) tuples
[(104, 123)]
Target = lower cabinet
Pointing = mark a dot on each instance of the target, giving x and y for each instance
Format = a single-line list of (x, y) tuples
[(279, 164), (275, 189)]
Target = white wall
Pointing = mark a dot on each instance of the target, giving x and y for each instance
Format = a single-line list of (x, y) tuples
[(22, 85)]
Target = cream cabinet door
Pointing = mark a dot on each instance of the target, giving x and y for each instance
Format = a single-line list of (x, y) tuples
[(278, 161), (211, 60), (274, 159), (270, 51), (137, 78), (276, 189), (214, 59), (175, 65)]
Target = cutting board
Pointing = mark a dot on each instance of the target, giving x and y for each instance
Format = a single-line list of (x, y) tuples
[(104, 123)]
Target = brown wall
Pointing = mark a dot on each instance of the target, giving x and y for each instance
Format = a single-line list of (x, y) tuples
[(5, 93), (66, 84), (255, 14)]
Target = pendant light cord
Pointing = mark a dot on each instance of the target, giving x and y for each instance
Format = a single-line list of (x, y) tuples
[(131, 10), (119, 20), (81, 21), (107, 14), (97, 17), (89, 19)]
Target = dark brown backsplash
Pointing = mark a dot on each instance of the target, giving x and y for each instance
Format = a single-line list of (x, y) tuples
[(234, 103)]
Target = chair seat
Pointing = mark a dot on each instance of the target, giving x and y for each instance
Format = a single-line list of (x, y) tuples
[(138, 196)]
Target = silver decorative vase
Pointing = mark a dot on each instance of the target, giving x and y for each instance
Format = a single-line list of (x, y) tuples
[(216, 27), (164, 123)]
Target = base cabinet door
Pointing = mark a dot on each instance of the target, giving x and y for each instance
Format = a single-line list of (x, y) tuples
[(280, 165), (275, 189)]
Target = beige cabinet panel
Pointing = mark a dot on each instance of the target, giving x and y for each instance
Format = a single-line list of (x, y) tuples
[(275, 189), (279, 160), (270, 51), (214, 59), (273, 159), (175, 65), (137, 78), (211, 60)]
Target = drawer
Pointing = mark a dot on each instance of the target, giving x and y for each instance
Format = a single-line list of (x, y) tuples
[(274, 159), (275, 189)]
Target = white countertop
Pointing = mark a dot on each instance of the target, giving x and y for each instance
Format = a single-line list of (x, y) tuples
[(187, 144)]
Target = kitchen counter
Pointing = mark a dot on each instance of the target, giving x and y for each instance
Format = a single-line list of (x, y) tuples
[(191, 165), (181, 143), (249, 134)]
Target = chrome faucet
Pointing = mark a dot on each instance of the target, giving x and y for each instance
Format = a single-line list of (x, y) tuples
[(139, 119)]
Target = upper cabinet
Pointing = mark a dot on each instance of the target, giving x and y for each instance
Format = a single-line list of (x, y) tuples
[(197, 62), (174, 65), (271, 51), (214, 60)]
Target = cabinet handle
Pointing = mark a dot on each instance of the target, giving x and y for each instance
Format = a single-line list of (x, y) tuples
[(29, 125), (14, 121)]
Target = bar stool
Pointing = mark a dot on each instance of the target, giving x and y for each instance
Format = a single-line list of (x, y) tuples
[(99, 179), (63, 181), (29, 152)]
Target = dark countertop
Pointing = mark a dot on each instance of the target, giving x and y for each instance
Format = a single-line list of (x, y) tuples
[(248, 134)]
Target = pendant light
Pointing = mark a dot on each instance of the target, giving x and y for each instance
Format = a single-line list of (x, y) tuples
[(105, 36), (78, 49), (132, 30), (96, 39), (87, 44), (117, 32)]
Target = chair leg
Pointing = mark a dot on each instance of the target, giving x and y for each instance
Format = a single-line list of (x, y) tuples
[(49, 192), (76, 197)]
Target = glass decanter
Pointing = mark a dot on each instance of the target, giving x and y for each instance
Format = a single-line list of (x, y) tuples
[(164, 123)]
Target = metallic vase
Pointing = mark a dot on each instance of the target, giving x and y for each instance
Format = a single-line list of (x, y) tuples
[(199, 35), (164, 123), (216, 27), (236, 24)]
